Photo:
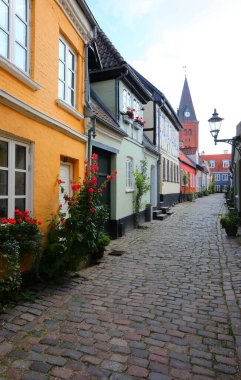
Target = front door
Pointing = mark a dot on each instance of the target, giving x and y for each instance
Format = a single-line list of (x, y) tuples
[(65, 175), (104, 160)]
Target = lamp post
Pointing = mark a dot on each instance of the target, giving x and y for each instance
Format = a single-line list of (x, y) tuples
[(215, 123)]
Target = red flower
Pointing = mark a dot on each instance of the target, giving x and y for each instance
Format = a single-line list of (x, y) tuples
[(91, 190), (39, 222), (12, 221), (75, 187), (114, 172), (108, 177), (27, 219), (60, 181), (92, 210), (94, 156), (66, 197), (19, 220)]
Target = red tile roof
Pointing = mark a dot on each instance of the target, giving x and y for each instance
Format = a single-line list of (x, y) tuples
[(218, 158)]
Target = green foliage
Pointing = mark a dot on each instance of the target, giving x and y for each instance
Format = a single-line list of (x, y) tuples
[(211, 188), (72, 238), (143, 185), (230, 219), (10, 277)]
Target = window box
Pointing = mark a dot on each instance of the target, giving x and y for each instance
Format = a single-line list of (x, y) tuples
[(137, 125), (127, 119)]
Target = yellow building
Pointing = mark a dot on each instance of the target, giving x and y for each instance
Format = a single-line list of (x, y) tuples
[(42, 97)]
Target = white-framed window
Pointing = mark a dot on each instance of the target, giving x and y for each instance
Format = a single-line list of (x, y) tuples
[(164, 175), (226, 163), (217, 188), (67, 73), (129, 174), (225, 177), (124, 100), (168, 170), (217, 177), (212, 164), (14, 32), (14, 177)]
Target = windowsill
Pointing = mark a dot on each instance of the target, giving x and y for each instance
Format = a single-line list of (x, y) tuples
[(65, 106), (129, 190), (19, 74)]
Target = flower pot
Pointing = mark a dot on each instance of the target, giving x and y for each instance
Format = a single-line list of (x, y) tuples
[(231, 230), (127, 119)]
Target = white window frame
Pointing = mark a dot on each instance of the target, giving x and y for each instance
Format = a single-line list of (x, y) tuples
[(11, 32), (65, 82), (124, 100), (212, 164), (226, 163), (11, 176), (129, 174), (217, 177), (225, 177), (217, 188)]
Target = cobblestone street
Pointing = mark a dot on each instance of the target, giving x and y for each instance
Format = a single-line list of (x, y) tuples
[(168, 308)]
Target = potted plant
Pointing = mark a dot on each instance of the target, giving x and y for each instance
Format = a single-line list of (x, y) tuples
[(230, 222), (129, 115)]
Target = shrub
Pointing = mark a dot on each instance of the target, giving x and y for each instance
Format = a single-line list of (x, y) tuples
[(142, 187), (230, 219), (79, 234)]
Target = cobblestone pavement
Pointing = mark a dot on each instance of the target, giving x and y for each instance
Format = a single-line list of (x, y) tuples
[(168, 308)]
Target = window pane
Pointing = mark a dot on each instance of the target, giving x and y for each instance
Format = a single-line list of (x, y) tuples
[(3, 208), (3, 43), (3, 154), (21, 9), (3, 182), (61, 90), (61, 71), (20, 157), (20, 57), (61, 51), (70, 79), (70, 96), (20, 182), (20, 204), (70, 61), (3, 15), (21, 32)]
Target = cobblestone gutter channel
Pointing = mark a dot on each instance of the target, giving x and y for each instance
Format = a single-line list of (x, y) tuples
[(168, 308)]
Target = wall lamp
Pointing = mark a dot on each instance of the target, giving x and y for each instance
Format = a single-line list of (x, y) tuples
[(215, 123)]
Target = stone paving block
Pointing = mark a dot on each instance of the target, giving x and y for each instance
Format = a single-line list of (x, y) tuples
[(138, 372)]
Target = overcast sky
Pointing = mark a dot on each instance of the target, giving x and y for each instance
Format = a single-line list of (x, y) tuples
[(159, 37)]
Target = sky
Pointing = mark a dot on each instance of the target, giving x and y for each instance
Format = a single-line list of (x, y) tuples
[(160, 37)]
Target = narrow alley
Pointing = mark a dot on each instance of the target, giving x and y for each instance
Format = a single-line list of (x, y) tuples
[(167, 308)]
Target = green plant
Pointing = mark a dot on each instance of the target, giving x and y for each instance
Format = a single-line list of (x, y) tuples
[(231, 219), (10, 277), (72, 238), (143, 185)]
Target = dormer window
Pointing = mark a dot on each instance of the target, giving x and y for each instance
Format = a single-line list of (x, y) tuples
[(212, 164), (226, 163)]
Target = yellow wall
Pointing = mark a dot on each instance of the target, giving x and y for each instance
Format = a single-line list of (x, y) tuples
[(47, 23)]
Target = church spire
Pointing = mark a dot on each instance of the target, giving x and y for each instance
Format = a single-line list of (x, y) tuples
[(186, 110)]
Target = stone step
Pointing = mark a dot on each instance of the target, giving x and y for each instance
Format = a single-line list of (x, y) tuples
[(165, 209), (161, 216)]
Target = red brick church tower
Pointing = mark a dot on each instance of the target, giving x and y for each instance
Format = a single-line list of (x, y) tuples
[(189, 142)]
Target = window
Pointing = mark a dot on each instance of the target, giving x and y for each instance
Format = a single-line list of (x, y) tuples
[(226, 164), (67, 73), (124, 100), (14, 177), (217, 188), (164, 177), (217, 177), (225, 177), (212, 164), (129, 174), (14, 32), (168, 171)]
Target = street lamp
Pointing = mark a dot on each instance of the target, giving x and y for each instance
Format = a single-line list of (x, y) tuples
[(215, 123)]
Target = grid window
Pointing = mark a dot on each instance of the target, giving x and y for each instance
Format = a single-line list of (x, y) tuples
[(164, 176), (129, 174), (124, 100), (14, 177), (67, 73), (217, 177), (226, 164), (225, 177), (14, 32)]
